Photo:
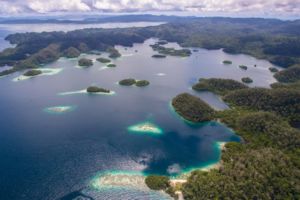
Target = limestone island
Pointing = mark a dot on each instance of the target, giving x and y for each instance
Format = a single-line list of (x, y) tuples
[(127, 82), (103, 60), (159, 56), (33, 72), (192, 108), (146, 127), (71, 52), (247, 80), (131, 81), (244, 67), (94, 89), (84, 62), (273, 69), (111, 65), (113, 53), (218, 85), (227, 62), (142, 83)]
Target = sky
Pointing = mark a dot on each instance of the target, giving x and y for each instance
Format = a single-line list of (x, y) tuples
[(254, 8)]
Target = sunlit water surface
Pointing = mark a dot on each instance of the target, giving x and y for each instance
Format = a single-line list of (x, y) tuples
[(89, 151)]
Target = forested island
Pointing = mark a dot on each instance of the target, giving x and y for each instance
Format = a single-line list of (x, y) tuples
[(275, 40), (266, 164)]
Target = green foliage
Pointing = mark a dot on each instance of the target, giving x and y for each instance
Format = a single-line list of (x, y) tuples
[(111, 65), (113, 53), (71, 52), (159, 56), (285, 102), (103, 60), (142, 83), (289, 75), (295, 85), (244, 67), (155, 182), (127, 82), (219, 86), (33, 72), (192, 108), (273, 69), (227, 62), (94, 89), (247, 80), (84, 62), (170, 51)]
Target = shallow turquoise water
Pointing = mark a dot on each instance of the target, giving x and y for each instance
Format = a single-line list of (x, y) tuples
[(48, 156)]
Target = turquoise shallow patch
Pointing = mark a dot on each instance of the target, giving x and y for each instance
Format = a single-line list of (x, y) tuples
[(59, 109), (145, 128)]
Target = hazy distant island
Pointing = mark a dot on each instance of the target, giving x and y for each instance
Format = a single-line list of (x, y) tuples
[(278, 42)]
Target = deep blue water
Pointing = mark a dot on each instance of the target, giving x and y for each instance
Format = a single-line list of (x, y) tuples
[(48, 156)]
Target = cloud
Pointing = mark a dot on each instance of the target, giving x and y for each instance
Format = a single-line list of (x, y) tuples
[(46, 6), (288, 7)]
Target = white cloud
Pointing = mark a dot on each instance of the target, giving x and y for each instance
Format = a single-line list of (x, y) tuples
[(288, 7), (46, 6)]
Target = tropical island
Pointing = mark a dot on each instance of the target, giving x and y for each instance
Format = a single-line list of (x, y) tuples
[(192, 108), (94, 89), (244, 67), (218, 86), (159, 56), (127, 82), (71, 52), (142, 83), (247, 80), (103, 60), (170, 51), (33, 72), (84, 62), (113, 53), (131, 81), (111, 65), (227, 62)]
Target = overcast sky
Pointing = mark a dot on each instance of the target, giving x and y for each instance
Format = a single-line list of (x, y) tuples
[(257, 8)]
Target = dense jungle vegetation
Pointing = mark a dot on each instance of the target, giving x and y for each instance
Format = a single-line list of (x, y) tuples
[(266, 164)]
